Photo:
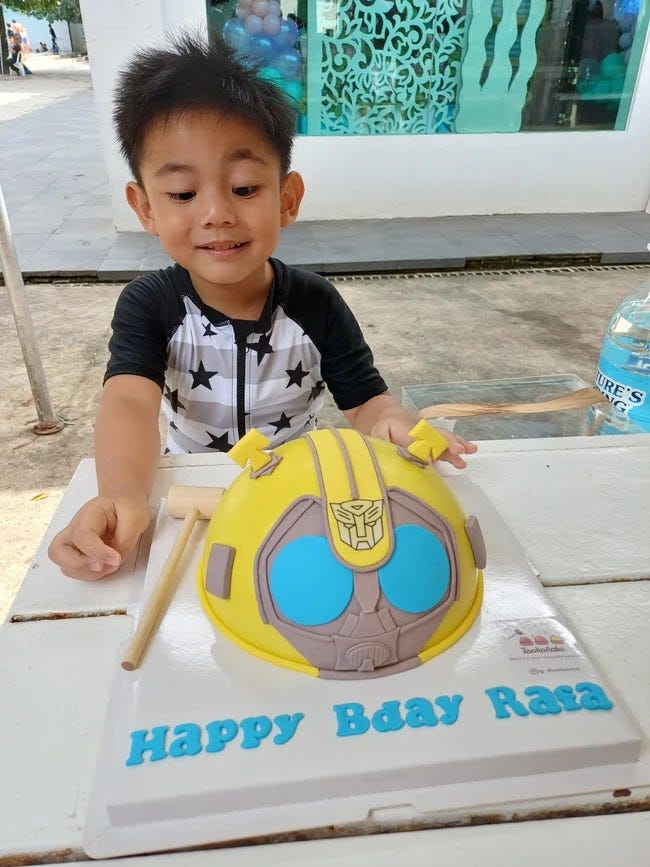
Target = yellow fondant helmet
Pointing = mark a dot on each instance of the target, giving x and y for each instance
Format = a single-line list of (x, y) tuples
[(340, 556)]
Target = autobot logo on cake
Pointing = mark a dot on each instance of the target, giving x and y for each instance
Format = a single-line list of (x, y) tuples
[(623, 397)]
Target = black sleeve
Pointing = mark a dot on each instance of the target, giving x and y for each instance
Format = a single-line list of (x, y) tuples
[(346, 359), (144, 319)]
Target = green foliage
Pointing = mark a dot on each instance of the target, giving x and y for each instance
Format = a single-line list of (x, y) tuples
[(52, 10)]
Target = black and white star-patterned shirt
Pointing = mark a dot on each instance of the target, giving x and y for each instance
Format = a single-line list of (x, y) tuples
[(221, 377)]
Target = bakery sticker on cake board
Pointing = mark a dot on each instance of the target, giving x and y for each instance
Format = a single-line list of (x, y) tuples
[(207, 742)]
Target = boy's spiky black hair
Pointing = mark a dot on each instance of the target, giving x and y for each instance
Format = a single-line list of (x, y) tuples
[(190, 75)]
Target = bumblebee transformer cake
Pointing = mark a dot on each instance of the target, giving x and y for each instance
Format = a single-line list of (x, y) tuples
[(341, 555)]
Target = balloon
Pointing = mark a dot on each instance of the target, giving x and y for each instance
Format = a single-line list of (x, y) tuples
[(625, 40), (288, 63), (243, 9), (269, 74), (275, 8), (260, 7), (627, 22), (253, 24), (293, 88), (588, 70), (611, 65), (602, 87), (272, 24), (261, 48), (235, 34), (617, 85), (288, 33)]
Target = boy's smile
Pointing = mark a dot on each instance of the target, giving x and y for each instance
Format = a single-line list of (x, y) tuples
[(212, 190)]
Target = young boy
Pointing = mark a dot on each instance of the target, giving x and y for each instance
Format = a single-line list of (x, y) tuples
[(227, 338)]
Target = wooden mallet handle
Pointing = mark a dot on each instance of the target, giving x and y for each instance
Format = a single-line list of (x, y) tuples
[(182, 498), (191, 504)]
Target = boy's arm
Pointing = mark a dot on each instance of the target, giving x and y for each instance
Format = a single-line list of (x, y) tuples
[(383, 417), (127, 449)]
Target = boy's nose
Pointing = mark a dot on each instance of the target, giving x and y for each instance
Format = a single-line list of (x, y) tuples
[(217, 211)]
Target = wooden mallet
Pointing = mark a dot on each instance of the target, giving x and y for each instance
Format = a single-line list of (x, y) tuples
[(192, 503)]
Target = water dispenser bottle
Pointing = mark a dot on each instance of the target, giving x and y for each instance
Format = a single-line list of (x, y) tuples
[(623, 374)]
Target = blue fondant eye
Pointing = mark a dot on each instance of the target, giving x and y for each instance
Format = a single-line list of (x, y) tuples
[(308, 584), (416, 578)]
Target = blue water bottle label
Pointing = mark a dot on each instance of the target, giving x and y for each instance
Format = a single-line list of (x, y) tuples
[(626, 391)]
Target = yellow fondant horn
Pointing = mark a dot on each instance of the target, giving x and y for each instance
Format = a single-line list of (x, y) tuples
[(249, 450), (429, 443)]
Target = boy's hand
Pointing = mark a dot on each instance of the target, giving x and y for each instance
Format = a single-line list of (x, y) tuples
[(395, 422), (102, 533)]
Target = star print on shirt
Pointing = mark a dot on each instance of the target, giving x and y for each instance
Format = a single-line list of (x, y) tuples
[(221, 443), (173, 426), (201, 376), (296, 375), (172, 397), (208, 332), (283, 422), (262, 347), (316, 390)]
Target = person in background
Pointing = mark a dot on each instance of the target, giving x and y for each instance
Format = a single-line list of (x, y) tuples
[(16, 59), (21, 32), (55, 44)]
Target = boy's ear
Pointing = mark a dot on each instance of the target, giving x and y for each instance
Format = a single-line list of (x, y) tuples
[(293, 189), (137, 199)]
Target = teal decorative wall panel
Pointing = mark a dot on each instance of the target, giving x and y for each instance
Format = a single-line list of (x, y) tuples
[(385, 67), (499, 61)]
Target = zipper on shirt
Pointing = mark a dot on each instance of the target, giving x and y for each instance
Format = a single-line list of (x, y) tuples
[(241, 341)]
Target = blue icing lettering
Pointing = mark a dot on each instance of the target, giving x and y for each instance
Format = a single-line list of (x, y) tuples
[(566, 697), (220, 732), (543, 701), (502, 697), (387, 718), (255, 729), (593, 697), (450, 705), (188, 742), (351, 719), (287, 725), (142, 743), (420, 712)]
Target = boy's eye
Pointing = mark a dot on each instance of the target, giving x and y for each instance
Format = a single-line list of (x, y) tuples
[(181, 197), (245, 192)]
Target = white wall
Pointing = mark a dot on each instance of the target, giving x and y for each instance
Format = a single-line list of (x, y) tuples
[(359, 177), (114, 31)]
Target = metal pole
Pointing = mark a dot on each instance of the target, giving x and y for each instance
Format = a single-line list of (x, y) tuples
[(48, 422)]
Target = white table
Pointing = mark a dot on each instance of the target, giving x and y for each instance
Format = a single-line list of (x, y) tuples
[(579, 507)]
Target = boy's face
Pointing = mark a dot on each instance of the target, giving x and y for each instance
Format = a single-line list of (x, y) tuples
[(212, 191)]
